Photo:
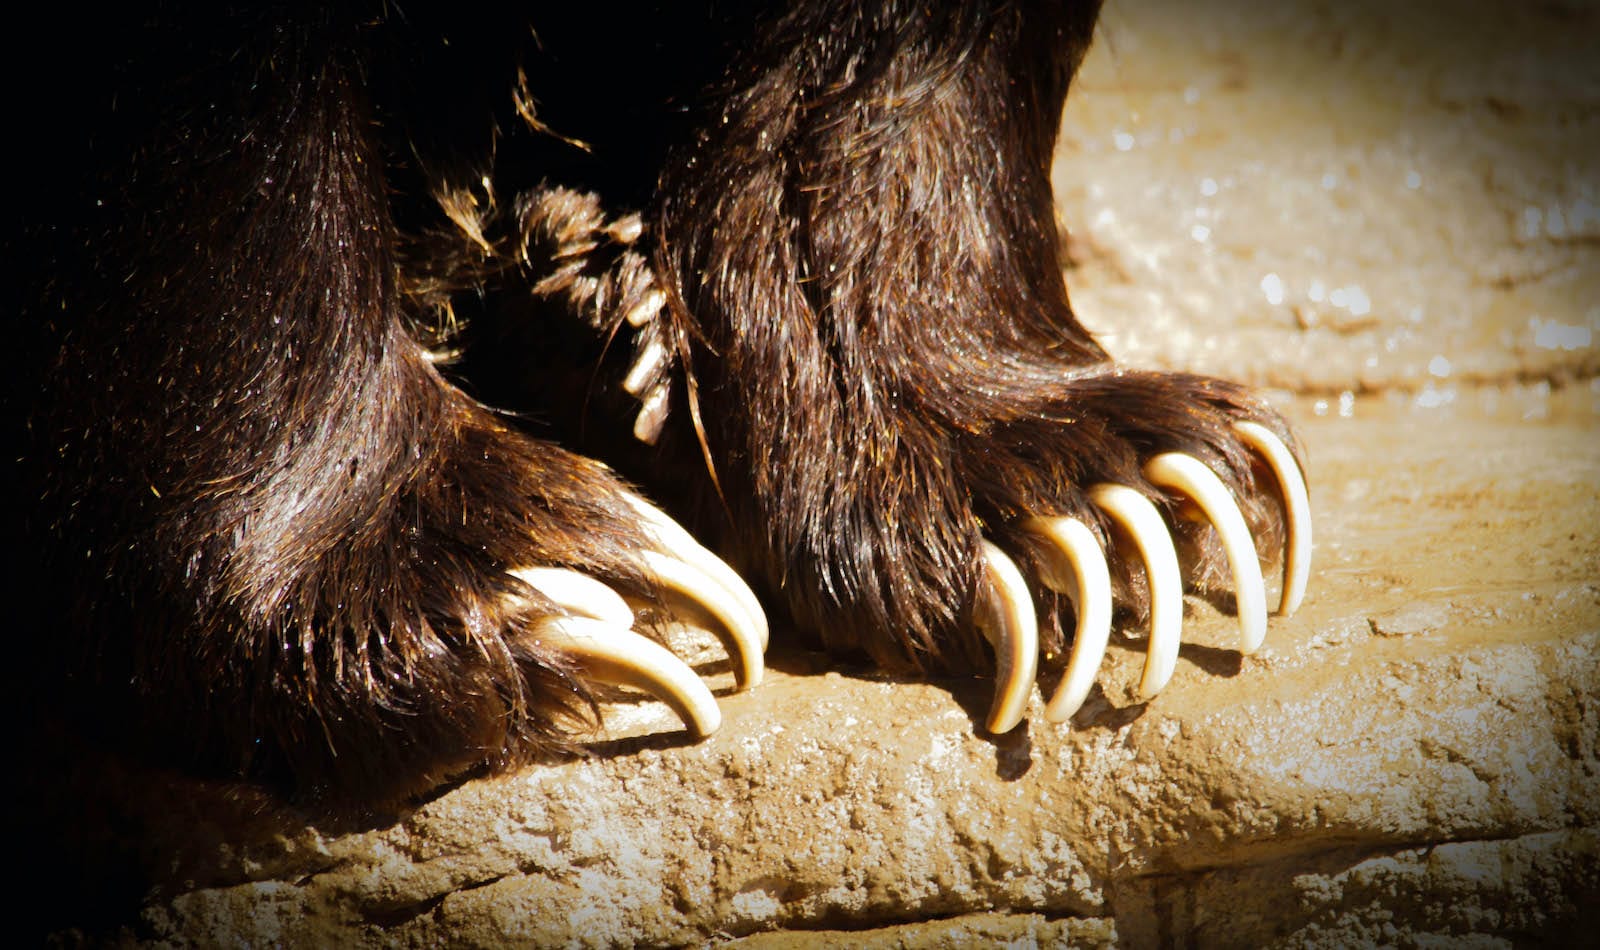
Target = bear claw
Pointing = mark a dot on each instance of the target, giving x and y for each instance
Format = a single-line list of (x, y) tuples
[(696, 587), (614, 654), (1073, 552), (1188, 475), (1297, 510), (1139, 517), (1006, 617), (1073, 563), (674, 538)]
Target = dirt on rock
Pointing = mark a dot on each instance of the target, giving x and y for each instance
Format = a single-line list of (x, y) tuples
[(1386, 215)]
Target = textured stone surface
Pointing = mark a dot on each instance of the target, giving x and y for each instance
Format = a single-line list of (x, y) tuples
[(1334, 197), (1410, 759)]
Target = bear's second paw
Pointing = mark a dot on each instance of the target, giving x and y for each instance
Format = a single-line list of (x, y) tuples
[(1071, 561)]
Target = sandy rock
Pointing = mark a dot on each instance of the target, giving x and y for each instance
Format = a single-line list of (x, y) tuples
[(1414, 758), (1356, 197)]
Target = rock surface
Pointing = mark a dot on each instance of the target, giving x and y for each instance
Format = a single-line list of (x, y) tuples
[(1414, 757)]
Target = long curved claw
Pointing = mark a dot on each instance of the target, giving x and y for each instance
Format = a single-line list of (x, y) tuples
[(1143, 523), (1190, 476), (1297, 508), (617, 655), (693, 594), (1074, 564), (679, 543), (578, 594), (1006, 617)]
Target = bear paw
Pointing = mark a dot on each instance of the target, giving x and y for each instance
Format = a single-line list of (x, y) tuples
[(1072, 562)]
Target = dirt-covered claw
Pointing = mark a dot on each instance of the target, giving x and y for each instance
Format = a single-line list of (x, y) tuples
[(1297, 510), (1073, 564), (1144, 525), (1005, 615), (1190, 477), (616, 655)]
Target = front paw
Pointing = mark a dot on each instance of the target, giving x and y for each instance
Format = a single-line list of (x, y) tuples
[(978, 522), (1070, 559), (461, 617)]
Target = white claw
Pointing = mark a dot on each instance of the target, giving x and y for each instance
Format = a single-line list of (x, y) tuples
[(652, 416), (578, 594), (617, 655), (1187, 474), (644, 366), (1297, 508), (681, 544), (648, 306), (1149, 532), (1074, 564), (626, 230), (1005, 616), (695, 595)]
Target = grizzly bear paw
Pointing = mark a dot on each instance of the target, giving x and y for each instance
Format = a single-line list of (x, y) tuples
[(920, 520), (901, 417), (1211, 479)]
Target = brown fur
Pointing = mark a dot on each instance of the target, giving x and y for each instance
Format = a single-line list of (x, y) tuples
[(280, 535), (868, 281), (274, 537)]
